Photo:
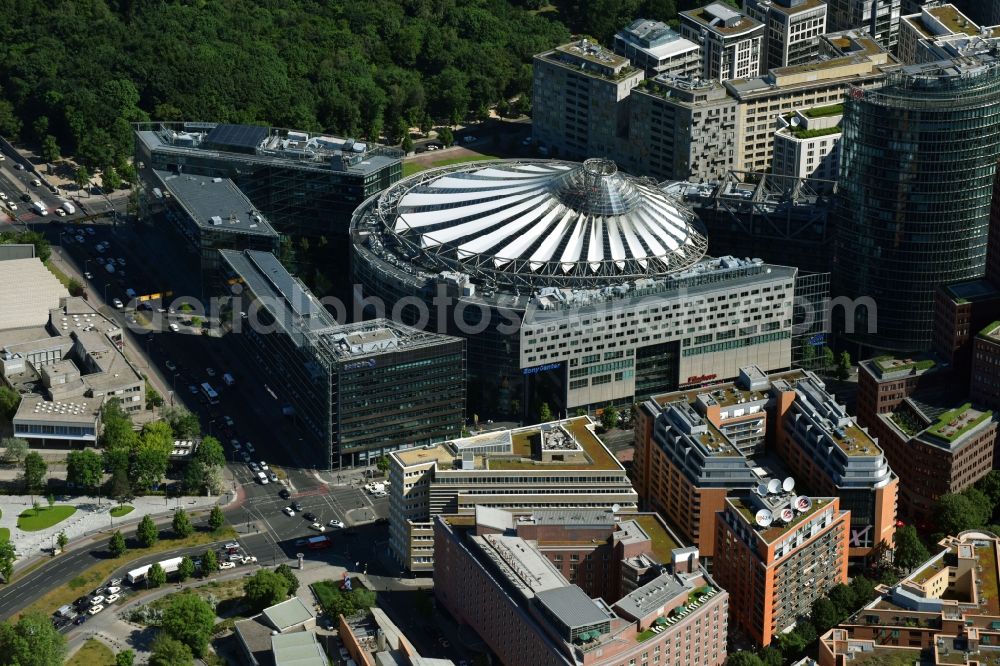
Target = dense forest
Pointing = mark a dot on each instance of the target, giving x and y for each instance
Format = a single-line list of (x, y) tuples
[(75, 73)]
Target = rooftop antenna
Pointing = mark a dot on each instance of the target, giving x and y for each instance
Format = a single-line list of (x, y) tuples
[(802, 503), (788, 485), (787, 515), (761, 489), (773, 486), (764, 517)]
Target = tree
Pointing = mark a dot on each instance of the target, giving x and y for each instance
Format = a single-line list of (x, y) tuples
[(843, 366), (609, 417), (194, 477), (336, 601), (808, 355), (183, 423), (150, 461), (125, 658), (446, 136), (75, 287), (211, 453), (744, 658), (827, 358), (182, 523), (62, 540), (383, 464), (33, 641), (15, 448), (7, 557), (864, 591), (990, 486), (156, 575), (189, 619), (127, 171), (110, 180), (84, 469), (825, 614), (843, 599), (957, 512), (185, 569), (34, 472), (147, 534), (216, 519), (50, 149), (265, 588), (117, 431), (82, 177), (209, 562), (771, 656), (544, 413), (407, 144), (117, 546), (153, 398), (50, 499), (286, 572), (168, 651), (910, 550)]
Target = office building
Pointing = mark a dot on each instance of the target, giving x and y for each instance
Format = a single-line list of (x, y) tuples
[(807, 143), (960, 311), (580, 100), (681, 129), (884, 382), (212, 214), (66, 369), (776, 555), (360, 390), (879, 18), (655, 47), (984, 387), (557, 465), (919, 33), (791, 30), (580, 286), (731, 43), (782, 91), (906, 155), (944, 612), (696, 448), (495, 579), (936, 447), (303, 183)]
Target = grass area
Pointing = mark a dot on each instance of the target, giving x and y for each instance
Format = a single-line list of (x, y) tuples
[(645, 635), (92, 653), (663, 544), (824, 111), (892, 364), (410, 168), (219, 590), (122, 510), (987, 557), (99, 573), (955, 423), (62, 277), (4, 535), (813, 133), (46, 516)]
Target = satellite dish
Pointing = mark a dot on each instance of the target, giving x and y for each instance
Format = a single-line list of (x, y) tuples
[(773, 486), (788, 484), (615, 508), (787, 515), (795, 121), (802, 503), (761, 489), (764, 517)]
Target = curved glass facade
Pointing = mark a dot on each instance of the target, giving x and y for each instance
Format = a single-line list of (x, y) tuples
[(917, 163)]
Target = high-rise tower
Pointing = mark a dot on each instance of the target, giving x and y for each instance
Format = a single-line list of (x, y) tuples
[(916, 177)]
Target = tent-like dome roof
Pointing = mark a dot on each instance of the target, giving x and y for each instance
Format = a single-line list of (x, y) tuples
[(536, 218)]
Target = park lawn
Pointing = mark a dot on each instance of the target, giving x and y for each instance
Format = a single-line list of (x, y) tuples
[(99, 573), (122, 510), (92, 653), (410, 168), (4, 535), (46, 516)]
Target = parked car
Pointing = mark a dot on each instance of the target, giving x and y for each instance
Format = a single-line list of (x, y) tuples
[(232, 547), (263, 466), (228, 420), (336, 523), (249, 559), (171, 366), (94, 610), (227, 565), (289, 511), (210, 372), (112, 589), (80, 619), (246, 457), (174, 327), (318, 527), (115, 582), (112, 599), (97, 601), (236, 445), (273, 477), (309, 515), (249, 447), (254, 468), (284, 494), (296, 506), (88, 275)]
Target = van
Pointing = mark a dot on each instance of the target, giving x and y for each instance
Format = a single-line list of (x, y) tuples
[(66, 611), (228, 379), (39, 208), (68, 207)]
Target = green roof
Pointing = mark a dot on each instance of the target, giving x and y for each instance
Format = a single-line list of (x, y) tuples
[(824, 111), (893, 364), (956, 422)]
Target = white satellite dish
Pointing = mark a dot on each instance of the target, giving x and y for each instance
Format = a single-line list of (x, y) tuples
[(787, 515), (761, 489), (615, 508), (773, 486), (764, 517), (802, 503), (795, 121), (788, 485)]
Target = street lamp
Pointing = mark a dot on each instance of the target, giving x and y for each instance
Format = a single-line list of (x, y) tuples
[(106, 285)]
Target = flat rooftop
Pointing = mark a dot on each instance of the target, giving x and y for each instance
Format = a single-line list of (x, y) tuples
[(656, 39), (804, 6), (953, 20), (82, 410), (723, 20), (593, 52), (892, 367), (215, 203), (972, 291), (28, 290), (955, 423), (776, 529)]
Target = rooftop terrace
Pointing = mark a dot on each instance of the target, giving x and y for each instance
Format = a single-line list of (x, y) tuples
[(953, 20), (582, 431), (955, 423)]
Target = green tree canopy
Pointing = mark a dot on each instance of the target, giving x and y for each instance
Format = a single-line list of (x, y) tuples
[(990, 485), (125, 658), (209, 562), (7, 557), (910, 551), (216, 518), (32, 641), (147, 533), (34, 471), (15, 449), (189, 619), (84, 468), (265, 588), (169, 651), (744, 658), (210, 452), (184, 424), (117, 546), (185, 569), (286, 572), (156, 575), (182, 523)]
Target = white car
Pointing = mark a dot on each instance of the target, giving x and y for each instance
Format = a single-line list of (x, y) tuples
[(273, 477), (289, 511), (468, 138), (88, 275), (336, 523), (3, 196), (249, 559), (60, 212), (112, 589), (114, 582), (97, 601), (118, 303), (380, 493), (174, 327), (171, 366), (94, 610), (263, 466), (210, 372), (112, 599), (432, 147), (254, 467), (12, 205), (318, 527), (228, 565)]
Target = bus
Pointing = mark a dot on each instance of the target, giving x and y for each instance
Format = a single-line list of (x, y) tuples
[(320, 542), (138, 575), (213, 397)]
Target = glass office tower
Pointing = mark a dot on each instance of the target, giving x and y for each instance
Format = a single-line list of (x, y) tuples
[(917, 162)]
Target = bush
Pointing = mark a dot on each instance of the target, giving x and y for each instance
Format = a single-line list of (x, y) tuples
[(336, 601)]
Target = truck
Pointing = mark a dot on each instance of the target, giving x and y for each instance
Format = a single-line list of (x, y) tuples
[(139, 575), (319, 542), (68, 207), (39, 208)]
